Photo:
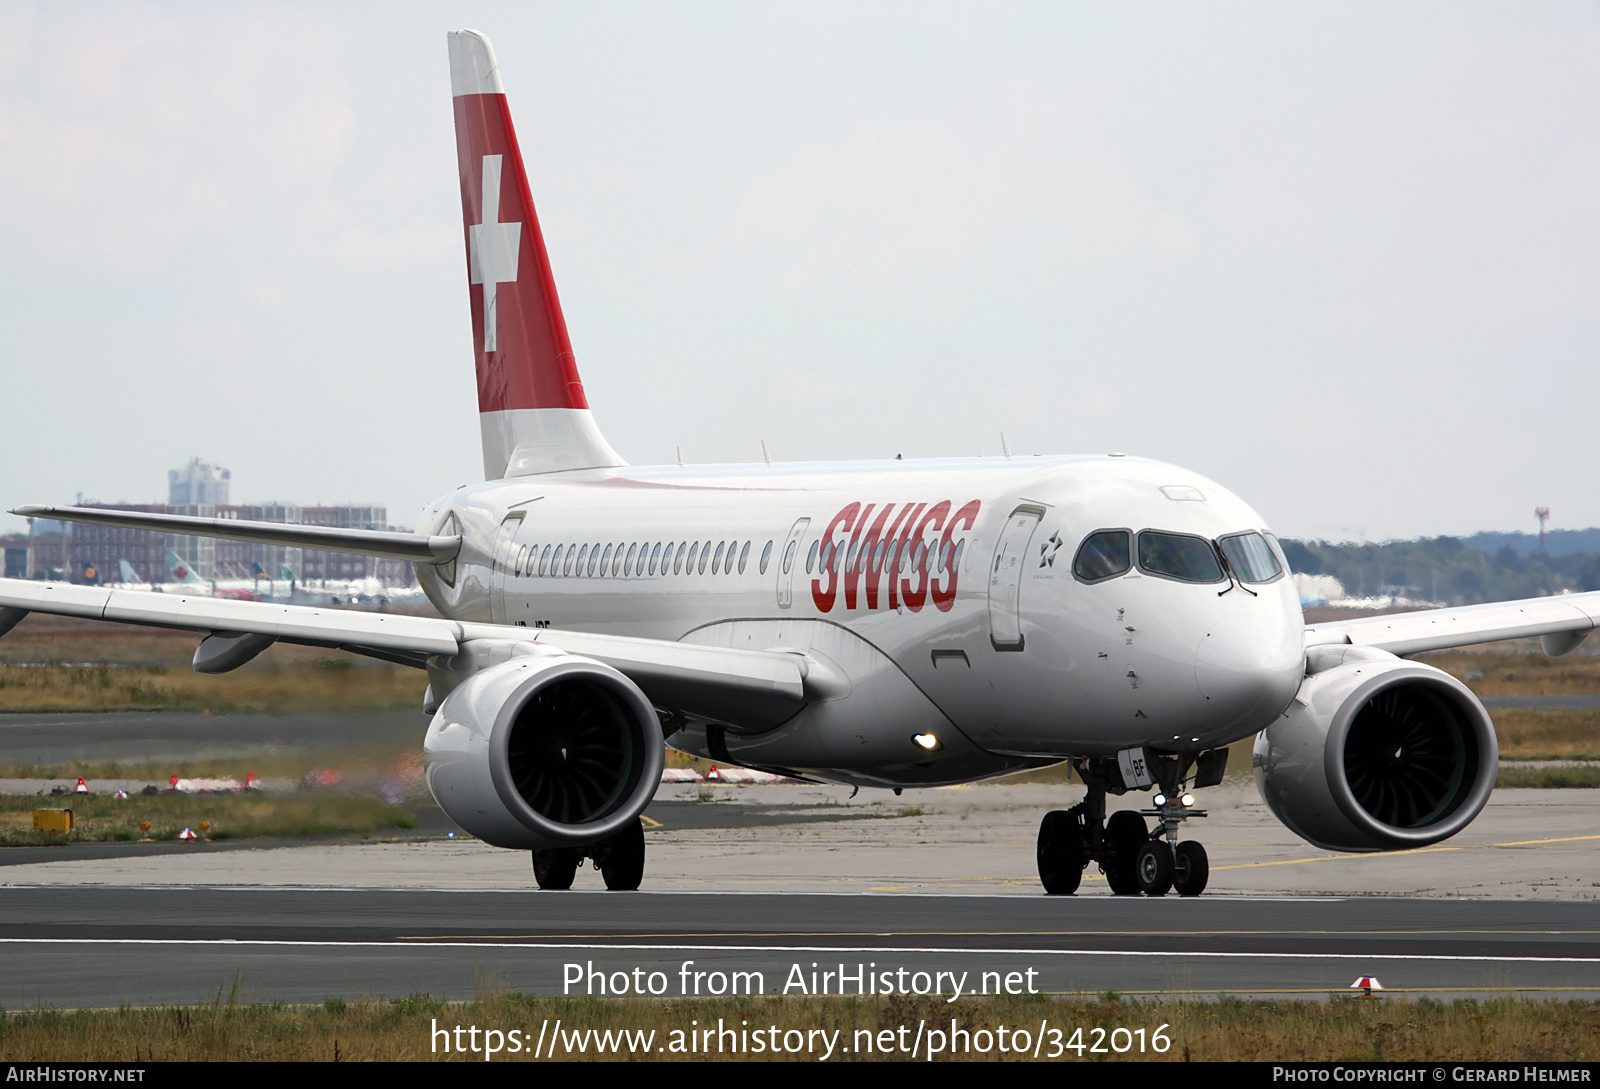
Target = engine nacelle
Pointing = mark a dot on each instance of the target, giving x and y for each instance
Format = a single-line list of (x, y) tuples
[(1378, 754), (539, 752)]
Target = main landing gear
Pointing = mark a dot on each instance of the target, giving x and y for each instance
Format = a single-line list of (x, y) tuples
[(619, 859), (1134, 857)]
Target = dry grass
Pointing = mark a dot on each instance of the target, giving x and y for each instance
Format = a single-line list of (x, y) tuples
[(353, 769), (50, 663), (1520, 669), (1548, 735), (328, 684), (1226, 1029), (1548, 778), (97, 818)]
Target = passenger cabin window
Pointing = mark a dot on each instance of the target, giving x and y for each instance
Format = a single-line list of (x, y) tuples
[(1250, 557), (1178, 556), (766, 554), (1104, 554)]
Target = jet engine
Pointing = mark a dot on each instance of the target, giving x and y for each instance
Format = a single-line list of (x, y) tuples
[(544, 751), (1377, 754)]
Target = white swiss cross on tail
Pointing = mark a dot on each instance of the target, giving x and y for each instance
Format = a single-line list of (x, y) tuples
[(494, 250)]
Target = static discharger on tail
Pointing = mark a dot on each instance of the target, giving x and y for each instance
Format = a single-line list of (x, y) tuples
[(890, 623)]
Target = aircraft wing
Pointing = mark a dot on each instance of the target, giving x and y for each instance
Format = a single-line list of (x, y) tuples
[(387, 544), (1562, 620), (685, 676)]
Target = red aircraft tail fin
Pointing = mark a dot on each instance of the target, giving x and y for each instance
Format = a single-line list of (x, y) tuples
[(534, 415)]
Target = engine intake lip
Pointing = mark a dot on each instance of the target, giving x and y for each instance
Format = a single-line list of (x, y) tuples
[(607, 804), (1442, 788)]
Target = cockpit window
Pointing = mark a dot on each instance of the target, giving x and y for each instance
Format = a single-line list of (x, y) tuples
[(1104, 554), (1251, 558), (1178, 556)]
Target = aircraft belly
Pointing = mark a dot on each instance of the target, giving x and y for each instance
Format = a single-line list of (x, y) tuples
[(860, 715)]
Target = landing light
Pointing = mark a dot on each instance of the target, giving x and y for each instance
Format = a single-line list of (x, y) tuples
[(1161, 799), (1187, 800), (926, 741)]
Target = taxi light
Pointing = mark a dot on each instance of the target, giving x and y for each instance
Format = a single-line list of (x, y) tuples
[(1187, 800), (926, 741), (1161, 799)]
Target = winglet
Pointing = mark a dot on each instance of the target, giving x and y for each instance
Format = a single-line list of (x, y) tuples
[(532, 409)]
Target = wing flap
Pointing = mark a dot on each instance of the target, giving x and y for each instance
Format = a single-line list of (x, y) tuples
[(1443, 629)]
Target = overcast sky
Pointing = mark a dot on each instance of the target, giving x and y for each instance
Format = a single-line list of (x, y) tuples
[(1342, 258)]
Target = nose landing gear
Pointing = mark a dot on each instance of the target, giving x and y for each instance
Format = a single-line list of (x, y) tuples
[(1134, 857), (1171, 864)]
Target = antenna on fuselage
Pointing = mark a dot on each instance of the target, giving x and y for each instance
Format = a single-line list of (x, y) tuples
[(1005, 447), (679, 449), (766, 457)]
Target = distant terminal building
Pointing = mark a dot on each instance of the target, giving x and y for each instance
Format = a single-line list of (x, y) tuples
[(84, 553)]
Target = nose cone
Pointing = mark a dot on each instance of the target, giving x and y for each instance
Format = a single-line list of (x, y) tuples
[(1248, 669)]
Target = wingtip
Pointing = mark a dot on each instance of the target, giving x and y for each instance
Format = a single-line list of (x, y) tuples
[(28, 510)]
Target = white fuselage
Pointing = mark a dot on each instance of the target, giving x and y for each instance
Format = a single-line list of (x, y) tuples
[(951, 607)]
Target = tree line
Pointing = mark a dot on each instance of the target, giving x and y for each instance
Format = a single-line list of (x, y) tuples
[(1449, 569)]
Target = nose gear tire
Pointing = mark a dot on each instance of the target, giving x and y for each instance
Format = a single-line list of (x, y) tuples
[(1153, 865)]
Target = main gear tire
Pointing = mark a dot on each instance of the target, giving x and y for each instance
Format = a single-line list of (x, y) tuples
[(1125, 834), (1062, 852), (621, 858), (555, 867)]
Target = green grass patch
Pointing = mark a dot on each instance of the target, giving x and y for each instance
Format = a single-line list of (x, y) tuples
[(326, 684), (102, 818), (404, 1029), (1548, 778), (402, 760)]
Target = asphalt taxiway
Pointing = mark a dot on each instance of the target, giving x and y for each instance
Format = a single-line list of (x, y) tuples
[(763, 878), (98, 946)]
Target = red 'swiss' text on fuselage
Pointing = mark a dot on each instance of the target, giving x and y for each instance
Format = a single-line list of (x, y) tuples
[(882, 560)]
